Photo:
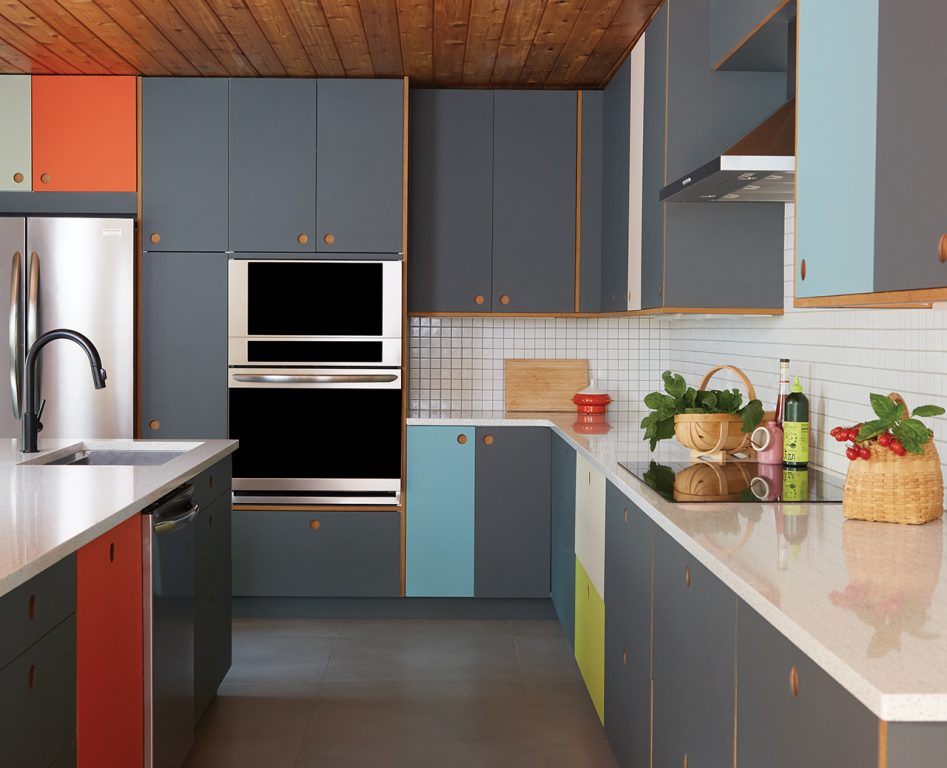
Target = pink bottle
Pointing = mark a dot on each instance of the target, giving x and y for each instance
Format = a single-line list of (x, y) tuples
[(767, 439)]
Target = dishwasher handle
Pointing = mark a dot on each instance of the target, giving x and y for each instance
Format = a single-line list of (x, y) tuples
[(175, 511), (172, 524)]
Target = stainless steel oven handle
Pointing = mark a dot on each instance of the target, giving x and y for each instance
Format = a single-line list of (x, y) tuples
[(335, 378)]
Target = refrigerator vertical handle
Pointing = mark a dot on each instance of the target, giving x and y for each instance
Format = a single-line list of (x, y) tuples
[(32, 316), (14, 333)]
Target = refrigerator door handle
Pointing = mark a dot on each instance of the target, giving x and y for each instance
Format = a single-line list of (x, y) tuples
[(14, 333)]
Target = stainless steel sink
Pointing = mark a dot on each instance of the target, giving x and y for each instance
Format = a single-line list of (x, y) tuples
[(105, 458)]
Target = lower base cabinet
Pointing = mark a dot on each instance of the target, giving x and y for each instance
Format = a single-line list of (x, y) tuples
[(316, 554), (590, 637), (562, 533), (213, 652), (693, 664), (790, 712)]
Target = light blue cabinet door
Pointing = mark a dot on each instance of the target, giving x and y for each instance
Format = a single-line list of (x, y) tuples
[(15, 140), (439, 551), (836, 140)]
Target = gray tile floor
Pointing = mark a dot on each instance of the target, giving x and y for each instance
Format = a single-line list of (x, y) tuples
[(398, 693)]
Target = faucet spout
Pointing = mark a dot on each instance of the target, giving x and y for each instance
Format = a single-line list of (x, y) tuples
[(31, 423)]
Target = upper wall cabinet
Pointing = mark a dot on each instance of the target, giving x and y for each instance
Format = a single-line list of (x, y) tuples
[(360, 176), (703, 255), (184, 163), (15, 149), (493, 201), (272, 165), (84, 134), (750, 35), (871, 204)]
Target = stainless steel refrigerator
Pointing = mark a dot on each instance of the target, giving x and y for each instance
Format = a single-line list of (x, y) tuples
[(76, 273)]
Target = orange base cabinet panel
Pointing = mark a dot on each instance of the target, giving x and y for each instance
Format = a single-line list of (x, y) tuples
[(84, 134), (110, 704)]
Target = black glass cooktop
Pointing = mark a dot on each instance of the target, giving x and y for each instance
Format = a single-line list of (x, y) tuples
[(737, 481)]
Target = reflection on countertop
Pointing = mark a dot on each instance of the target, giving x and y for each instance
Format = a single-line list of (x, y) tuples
[(866, 601)]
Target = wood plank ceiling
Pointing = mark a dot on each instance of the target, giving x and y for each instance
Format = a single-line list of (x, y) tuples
[(448, 43)]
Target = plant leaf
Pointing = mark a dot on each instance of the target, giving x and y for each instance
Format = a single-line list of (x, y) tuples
[(690, 397), (658, 401), (674, 384), (928, 410), (707, 400), (884, 407), (909, 437), (872, 429), (916, 429), (752, 414)]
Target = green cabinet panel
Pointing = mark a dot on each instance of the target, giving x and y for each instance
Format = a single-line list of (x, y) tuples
[(590, 637), (16, 156), (439, 500)]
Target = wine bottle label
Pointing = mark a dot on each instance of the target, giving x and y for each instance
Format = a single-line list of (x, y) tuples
[(796, 442)]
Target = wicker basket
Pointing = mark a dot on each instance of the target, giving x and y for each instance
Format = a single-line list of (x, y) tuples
[(895, 489), (714, 435)]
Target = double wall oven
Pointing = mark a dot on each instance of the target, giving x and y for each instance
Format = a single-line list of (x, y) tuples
[(315, 379)]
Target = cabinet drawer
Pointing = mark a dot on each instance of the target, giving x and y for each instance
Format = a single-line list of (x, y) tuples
[(32, 609), (316, 554), (38, 700), (213, 650), (211, 542), (213, 482)]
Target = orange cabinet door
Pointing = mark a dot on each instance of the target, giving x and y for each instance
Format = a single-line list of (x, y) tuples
[(109, 684), (84, 134)]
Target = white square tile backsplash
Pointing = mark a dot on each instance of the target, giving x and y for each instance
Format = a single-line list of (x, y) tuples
[(840, 356)]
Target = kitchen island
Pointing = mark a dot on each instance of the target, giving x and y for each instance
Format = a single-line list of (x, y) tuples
[(837, 628)]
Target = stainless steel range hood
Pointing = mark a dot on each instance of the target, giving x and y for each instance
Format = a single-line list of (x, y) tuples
[(760, 167)]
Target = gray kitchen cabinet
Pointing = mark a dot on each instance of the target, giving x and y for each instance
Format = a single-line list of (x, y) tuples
[(750, 35), (591, 213), (213, 649), (629, 540), (562, 533), (512, 512), (316, 554), (534, 197), (451, 213), (184, 163), (38, 700), (615, 192), (184, 345), (789, 711), (272, 184), (360, 169), (212, 541), (653, 175), (915, 744), (694, 617)]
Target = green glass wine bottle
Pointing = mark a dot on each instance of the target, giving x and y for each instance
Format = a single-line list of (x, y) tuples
[(796, 428)]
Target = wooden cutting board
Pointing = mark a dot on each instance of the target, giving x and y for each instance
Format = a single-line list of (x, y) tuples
[(543, 385)]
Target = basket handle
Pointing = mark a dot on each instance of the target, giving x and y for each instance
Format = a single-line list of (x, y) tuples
[(746, 382), (900, 401)]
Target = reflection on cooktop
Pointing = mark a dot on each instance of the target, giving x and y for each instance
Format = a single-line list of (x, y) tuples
[(737, 481)]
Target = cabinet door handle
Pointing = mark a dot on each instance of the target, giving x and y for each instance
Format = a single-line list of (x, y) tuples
[(624, 658), (44, 178), (626, 515), (31, 607), (155, 237), (31, 677), (462, 439), (479, 299), (111, 551), (154, 424), (302, 238), (18, 177), (802, 269), (687, 576), (329, 238), (504, 299), (488, 439), (794, 681), (942, 249)]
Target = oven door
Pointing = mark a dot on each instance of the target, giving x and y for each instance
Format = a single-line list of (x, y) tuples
[(316, 435)]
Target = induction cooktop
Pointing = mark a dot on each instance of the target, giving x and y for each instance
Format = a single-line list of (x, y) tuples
[(737, 481)]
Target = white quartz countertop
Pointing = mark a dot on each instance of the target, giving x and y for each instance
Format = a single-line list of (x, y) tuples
[(866, 601), (49, 512)]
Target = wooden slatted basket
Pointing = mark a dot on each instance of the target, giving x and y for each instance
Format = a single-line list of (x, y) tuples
[(895, 489), (714, 435)]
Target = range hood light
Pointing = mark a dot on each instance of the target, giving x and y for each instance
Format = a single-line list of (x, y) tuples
[(751, 187), (730, 196)]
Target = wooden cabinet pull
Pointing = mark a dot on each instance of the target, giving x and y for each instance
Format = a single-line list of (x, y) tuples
[(504, 299), (154, 424), (44, 178), (794, 681), (329, 238), (18, 177), (31, 676), (112, 552), (479, 299), (210, 520), (488, 439), (802, 269), (210, 482), (31, 607), (155, 237), (315, 525), (588, 591), (462, 439), (942, 249), (685, 760), (302, 238), (687, 576), (626, 515), (624, 658)]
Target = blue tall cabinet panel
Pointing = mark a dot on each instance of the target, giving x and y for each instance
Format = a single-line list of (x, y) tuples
[(562, 531), (439, 553)]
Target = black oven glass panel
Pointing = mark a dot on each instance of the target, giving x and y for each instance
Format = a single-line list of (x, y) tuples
[(314, 351), (314, 433), (314, 299)]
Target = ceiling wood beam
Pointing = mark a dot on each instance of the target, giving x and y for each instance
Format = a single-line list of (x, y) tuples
[(519, 31), (483, 41), (416, 24)]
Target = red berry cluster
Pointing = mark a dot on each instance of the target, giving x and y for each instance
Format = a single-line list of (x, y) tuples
[(862, 451)]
